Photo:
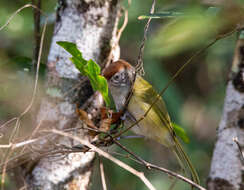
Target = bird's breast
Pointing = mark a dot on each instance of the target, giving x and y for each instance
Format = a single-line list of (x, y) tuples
[(151, 126)]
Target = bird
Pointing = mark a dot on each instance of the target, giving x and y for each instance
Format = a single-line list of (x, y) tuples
[(156, 125)]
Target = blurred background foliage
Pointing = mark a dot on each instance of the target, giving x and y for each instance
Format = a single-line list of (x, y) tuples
[(195, 100)]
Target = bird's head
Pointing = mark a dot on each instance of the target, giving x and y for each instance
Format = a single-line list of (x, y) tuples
[(120, 75)]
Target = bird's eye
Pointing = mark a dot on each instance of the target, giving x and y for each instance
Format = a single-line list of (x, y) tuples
[(116, 77)]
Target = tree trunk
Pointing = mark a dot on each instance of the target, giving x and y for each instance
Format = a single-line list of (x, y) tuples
[(92, 25), (226, 167)]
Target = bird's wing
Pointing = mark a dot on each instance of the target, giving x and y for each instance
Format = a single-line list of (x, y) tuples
[(148, 96)]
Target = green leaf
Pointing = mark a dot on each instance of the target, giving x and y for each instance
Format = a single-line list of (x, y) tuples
[(73, 50), (78, 64), (98, 82), (77, 58), (103, 88), (92, 68), (181, 133), (88, 68)]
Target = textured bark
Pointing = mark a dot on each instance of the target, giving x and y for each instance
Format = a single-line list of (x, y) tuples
[(92, 25), (226, 167)]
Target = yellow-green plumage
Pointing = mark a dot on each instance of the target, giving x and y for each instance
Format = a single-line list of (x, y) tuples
[(156, 125)]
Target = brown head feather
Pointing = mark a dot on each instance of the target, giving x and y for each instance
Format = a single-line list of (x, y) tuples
[(115, 67)]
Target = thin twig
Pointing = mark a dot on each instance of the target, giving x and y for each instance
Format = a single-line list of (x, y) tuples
[(101, 167), (120, 30), (118, 35), (37, 73), (32, 134), (152, 166), (131, 153), (139, 65), (8, 153), (171, 187), (25, 157), (235, 139), (7, 156), (8, 122), (129, 3), (18, 145), (130, 137), (16, 12), (15, 131), (108, 156)]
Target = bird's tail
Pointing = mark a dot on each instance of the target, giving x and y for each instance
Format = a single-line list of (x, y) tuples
[(184, 161)]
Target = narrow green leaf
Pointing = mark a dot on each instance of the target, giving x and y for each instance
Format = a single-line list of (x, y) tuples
[(73, 50), (161, 15), (181, 133), (78, 64), (92, 68), (175, 14), (103, 88)]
